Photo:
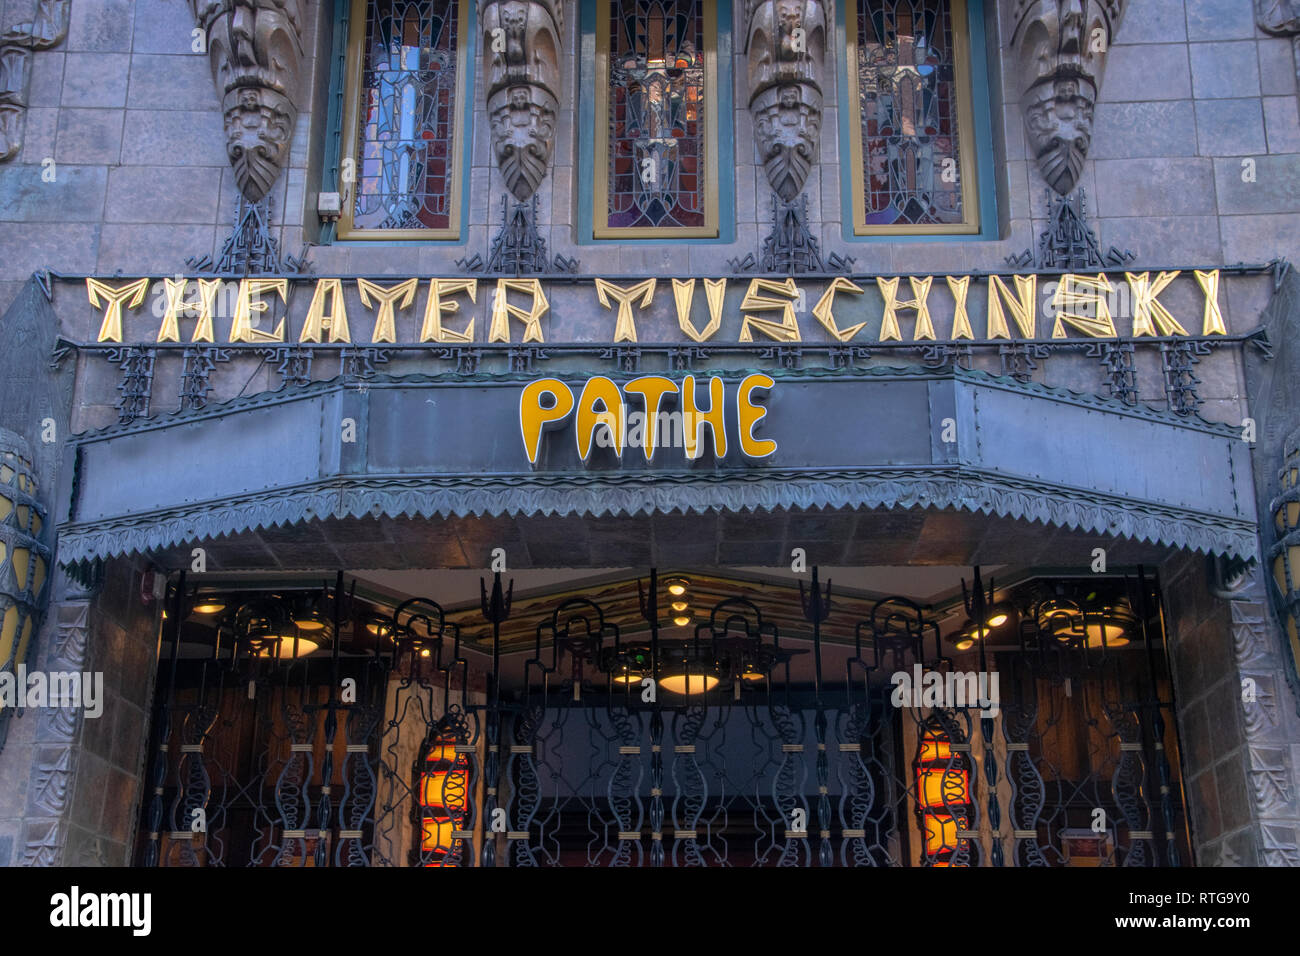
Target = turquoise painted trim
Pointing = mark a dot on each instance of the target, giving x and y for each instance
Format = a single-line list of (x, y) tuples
[(334, 148), (982, 115), (334, 129), (587, 137)]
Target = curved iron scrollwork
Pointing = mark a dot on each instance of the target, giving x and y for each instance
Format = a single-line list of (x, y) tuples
[(623, 751)]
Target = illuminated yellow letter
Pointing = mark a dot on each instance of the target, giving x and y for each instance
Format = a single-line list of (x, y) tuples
[(822, 310), (1074, 291), (432, 330), (176, 304), (389, 300), (652, 388), (920, 292), (600, 390), (960, 320), (131, 295), (1212, 323), (749, 415), (625, 324), (787, 330), (1024, 308), (534, 417), (502, 310), (684, 292), (318, 321), (1149, 314), (250, 303), (693, 419)]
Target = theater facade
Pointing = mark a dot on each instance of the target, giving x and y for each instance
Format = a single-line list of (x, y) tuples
[(649, 433)]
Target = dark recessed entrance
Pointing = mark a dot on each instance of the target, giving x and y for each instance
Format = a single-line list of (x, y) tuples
[(698, 716)]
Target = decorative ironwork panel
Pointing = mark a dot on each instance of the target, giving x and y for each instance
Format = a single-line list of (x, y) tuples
[(912, 171), (681, 752), (656, 153), (406, 134), (137, 364)]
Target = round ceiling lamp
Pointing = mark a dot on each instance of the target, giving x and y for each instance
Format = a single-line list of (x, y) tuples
[(1093, 624), (208, 603)]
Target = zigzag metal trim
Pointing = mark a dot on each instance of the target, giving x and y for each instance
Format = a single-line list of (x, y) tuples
[(428, 497)]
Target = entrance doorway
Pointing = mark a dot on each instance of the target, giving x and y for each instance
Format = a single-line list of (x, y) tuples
[(661, 718)]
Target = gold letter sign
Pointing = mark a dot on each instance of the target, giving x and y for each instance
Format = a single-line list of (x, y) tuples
[(839, 309)]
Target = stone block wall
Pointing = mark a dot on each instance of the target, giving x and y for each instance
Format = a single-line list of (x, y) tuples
[(70, 785), (127, 111), (1241, 762)]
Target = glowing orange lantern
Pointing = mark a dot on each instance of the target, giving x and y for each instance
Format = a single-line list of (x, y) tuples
[(941, 787), (942, 794), (441, 793), (941, 835)]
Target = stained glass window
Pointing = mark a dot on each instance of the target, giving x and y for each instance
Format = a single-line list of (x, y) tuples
[(658, 167), (908, 70), (406, 117)]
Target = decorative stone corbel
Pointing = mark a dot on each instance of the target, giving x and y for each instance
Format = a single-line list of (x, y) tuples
[(1278, 17), (1281, 18), (1060, 51), (255, 48), (521, 73), (47, 29), (786, 48)]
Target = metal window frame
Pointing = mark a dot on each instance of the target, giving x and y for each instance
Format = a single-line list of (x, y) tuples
[(967, 130), (351, 118), (713, 106)]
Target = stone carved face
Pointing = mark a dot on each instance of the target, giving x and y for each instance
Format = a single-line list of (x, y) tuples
[(1060, 49), (786, 51), (259, 132), (255, 49), (521, 66), (523, 129), (787, 130)]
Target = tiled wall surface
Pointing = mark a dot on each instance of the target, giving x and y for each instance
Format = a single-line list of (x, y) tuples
[(129, 115)]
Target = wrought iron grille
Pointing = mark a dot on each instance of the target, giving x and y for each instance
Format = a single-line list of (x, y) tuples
[(578, 765)]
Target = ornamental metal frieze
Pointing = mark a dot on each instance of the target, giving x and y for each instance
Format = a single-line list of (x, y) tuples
[(786, 50), (402, 497), (47, 29), (1060, 49), (255, 49), (522, 47)]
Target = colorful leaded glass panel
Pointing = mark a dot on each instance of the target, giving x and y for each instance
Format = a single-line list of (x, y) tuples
[(407, 108), (908, 100), (657, 105)]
